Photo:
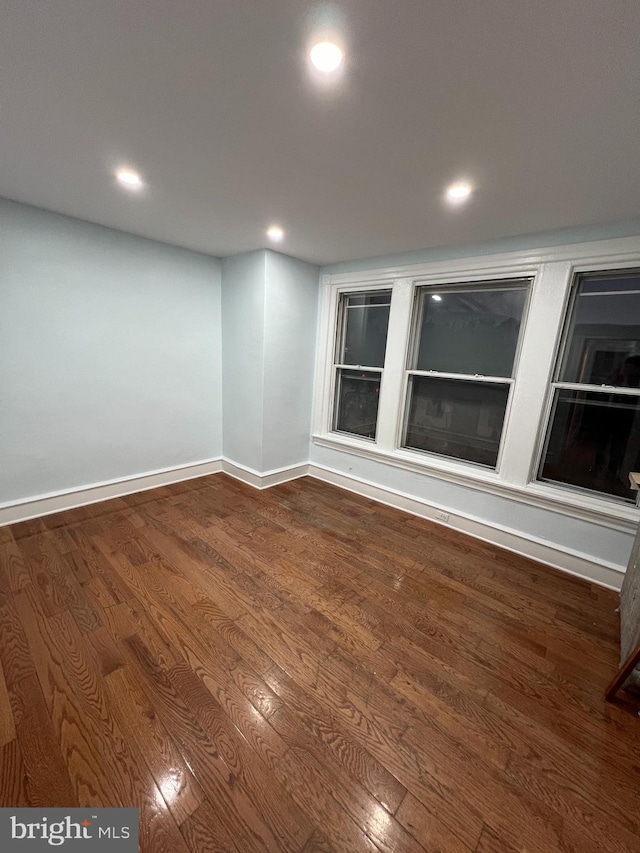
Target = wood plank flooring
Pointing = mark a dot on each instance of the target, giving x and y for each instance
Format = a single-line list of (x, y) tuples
[(303, 670)]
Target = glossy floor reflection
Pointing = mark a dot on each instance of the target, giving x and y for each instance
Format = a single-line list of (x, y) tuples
[(303, 670)]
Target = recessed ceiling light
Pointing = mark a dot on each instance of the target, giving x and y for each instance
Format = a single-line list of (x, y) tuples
[(459, 192), (436, 297), (326, 56), (275, 233), (129, 179)]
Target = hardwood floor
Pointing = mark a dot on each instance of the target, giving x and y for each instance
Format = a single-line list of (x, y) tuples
[(301, 669)]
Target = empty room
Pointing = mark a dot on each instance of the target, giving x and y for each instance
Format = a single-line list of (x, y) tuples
[(319, 426)]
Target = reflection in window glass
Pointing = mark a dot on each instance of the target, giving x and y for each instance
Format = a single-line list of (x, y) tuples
[(470, 331), (603, 333), (457, 418), (610, 282), (593, 438), (365, 318), (594, 441), (357, 395)]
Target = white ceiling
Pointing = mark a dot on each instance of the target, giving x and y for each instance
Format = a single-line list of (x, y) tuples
[(536, 101)]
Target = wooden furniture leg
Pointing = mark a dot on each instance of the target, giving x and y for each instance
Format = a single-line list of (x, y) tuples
[(623, 673)]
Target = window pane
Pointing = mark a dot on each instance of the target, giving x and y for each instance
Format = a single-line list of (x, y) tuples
[(610, 282), (603, 344), (456, 418), (357, 395), (469, 331), (594, 442), (365, 318)]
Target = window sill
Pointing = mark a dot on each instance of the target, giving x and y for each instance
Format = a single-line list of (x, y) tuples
[(584, 507)]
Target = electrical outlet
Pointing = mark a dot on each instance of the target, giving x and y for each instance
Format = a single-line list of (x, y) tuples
[(442, 516)]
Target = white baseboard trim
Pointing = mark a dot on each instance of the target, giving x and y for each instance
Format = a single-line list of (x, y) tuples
[(265, 479), (572, 562), (27, 508), (566, 560)]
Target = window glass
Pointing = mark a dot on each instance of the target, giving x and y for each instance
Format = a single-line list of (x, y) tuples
[(469, 331), (463, 334), (357, 395), (603, 333), (456, 418), (365, 319), (593, 437), (593, 442)]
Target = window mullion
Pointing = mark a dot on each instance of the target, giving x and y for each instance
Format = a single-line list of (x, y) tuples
[(392, 388), (534, 370)]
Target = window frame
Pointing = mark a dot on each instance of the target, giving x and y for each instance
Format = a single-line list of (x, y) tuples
[(526, 285), (553, 271), (327, 364), (556, 385), (338, 365)]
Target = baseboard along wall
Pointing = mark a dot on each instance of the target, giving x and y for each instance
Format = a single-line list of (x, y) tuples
[(565, 560)]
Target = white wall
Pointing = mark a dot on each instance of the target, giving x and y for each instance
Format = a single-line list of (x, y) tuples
[(290, 322), (110, 354), (269, 306), (243, 282)]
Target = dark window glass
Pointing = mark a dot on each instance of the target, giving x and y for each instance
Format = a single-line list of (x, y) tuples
[(380, 297), (470, 331), (594, 441), (456, 418), (603, 333), (365, 318), (610, 282), (357, 395)]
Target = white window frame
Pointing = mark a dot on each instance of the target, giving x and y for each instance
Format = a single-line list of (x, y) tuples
[(552, 272), (557, 384), (509, 381), (341, 327)]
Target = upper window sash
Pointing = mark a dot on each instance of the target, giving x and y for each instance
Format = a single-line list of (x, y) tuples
[(362, 328), (455, 303)]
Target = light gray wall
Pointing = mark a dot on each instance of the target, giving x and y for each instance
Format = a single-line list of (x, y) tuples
[(110, 354), (270, 313), (243, 294), (291, 307)]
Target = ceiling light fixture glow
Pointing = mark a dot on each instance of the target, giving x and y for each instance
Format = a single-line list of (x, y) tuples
[(326, 56), (129, 179), (457, 193), (275, 233), (436, 297)]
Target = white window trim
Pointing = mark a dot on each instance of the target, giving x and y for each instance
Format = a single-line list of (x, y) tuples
[(338, 366), (552, 271)]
